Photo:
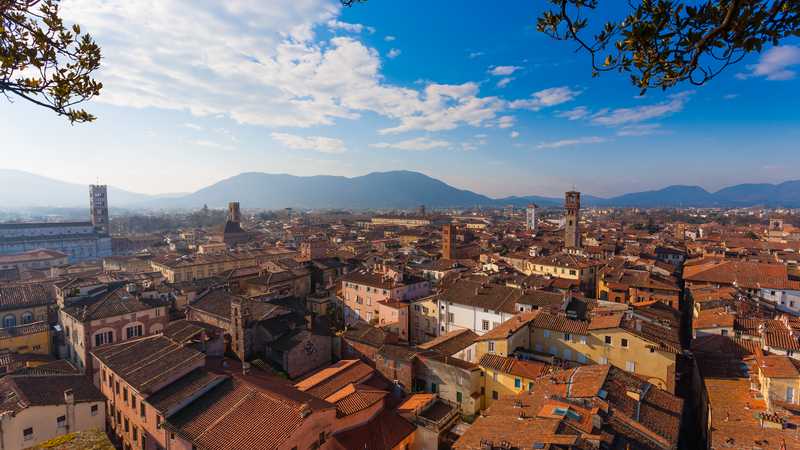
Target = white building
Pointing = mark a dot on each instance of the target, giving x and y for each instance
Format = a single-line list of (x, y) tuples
[(786, 300), (38, 408)]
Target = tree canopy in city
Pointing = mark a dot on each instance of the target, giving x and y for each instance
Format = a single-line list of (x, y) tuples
[(661, 43), (44, 61)]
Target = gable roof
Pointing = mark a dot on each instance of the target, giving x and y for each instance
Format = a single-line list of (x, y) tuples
[(148, 362)]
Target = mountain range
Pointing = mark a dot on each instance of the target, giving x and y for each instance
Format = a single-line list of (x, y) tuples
[(395, 189)]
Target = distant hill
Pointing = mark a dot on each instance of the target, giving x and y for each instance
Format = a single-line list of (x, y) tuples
[(22, 189), (396, 189)]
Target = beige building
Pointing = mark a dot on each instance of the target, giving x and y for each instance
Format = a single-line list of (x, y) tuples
[(192, 267), (38, 408), (401, 221), (34, 260)]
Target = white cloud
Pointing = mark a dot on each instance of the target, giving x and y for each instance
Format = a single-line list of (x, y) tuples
[(473, 55), (506, 121), (577, 113), (775, 64), (644, 129), (504, 82), (316, 143), (393, 53), (334, 24), (503, 70), (572, 142), (514, 134), (623, 116), (545, 98), (389, 38), (259, 66), (415, 144), (193, 126), (438, 107)]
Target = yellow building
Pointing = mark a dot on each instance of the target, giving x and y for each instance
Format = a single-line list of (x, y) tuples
[(22, 304), (647, 349), (505, 338), (30, 338), (567, 266), (503, 376), (424, 319)]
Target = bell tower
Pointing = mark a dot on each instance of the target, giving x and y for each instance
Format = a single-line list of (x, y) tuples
[(572, 220)]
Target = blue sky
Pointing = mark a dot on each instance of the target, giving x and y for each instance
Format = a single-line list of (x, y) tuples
[(196, 92)]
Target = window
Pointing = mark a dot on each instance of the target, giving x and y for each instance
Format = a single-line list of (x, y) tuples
[(491, 346), (608, 340), (125, 394), (485, 325), (724, 332), (133, 331), (583, 340), (61, 421), (450, 317), (494, 395), (624, 343), (116, 387), (9, 321), (568, 354), (790, 394), (133, 401), (546, 333), (433, 387), (27, 317), (517, 383), (127, 425), (135, 434), (142, 410), (567, 337), (106, 337), (322, 438), (630, 366), (581, 358), (27, 434), (94, 410), (459, 397)]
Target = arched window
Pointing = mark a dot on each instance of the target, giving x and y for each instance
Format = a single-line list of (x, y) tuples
[(27, 317), (9, 321)]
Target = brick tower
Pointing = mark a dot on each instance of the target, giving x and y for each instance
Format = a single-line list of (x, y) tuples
[(448, 241)]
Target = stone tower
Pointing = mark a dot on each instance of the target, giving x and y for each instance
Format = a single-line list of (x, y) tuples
[(448, 241), (240, 316), (234, 215), (530, 218), (572, 228), (98, 207)]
